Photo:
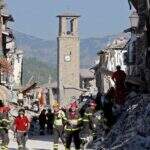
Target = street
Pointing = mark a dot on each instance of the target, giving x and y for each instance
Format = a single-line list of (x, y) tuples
[(35, 143)]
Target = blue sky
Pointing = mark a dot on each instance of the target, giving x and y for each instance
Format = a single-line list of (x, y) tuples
[(98, 17)]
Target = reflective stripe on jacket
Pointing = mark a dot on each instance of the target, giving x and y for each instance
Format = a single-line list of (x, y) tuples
[(88, 115), (59, 118), (73, 124)]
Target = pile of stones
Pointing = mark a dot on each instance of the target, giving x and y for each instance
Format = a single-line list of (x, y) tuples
[(132, 130)]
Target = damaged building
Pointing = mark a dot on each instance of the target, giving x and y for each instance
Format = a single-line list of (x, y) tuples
[(132, 54), (109, 58), (11, 58), (138, 62), (131, 130)]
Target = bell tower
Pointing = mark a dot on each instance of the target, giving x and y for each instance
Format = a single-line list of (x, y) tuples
[(68, 57)]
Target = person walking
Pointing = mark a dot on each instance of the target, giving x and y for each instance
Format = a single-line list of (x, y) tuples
[(87, 118), (50, 121), (93, 121), (21, 127), (72, 127), (42, 121), (58, 126)]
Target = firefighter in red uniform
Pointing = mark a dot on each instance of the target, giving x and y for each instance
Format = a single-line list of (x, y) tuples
[(119, 78), (21, 127), (72, 127)]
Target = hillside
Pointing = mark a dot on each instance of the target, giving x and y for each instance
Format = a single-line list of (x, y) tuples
[(40, 70), (44, 54), (46, 51)]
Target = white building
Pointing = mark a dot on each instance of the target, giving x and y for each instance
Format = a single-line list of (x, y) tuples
[(110, 57)]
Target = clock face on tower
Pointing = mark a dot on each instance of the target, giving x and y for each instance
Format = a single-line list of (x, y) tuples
[(67, 58)]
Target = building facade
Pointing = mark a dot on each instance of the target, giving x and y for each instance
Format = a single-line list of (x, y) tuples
[(9, 51), (109, 58), (139, 47)]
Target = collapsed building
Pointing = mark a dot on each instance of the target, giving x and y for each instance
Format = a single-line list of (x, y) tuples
[(131, 54), (138, 63), (131, 130), (11, 58), (109, 58)]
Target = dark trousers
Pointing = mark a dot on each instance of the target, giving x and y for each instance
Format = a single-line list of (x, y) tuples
[(21, 140), (75, 136), (58, 133), (86, 131), (50, 128), (5, 139), (42, 128)]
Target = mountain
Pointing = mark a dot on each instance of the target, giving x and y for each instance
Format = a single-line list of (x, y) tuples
[(46, 51), (43, 50), (43, 53), (39, 70)]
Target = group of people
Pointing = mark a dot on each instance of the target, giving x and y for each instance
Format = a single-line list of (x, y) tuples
[(46, 120), (77, 125), (20, 126), (67, 124), (72, 125)]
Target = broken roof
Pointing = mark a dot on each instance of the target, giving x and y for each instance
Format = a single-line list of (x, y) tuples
[(117, 44)]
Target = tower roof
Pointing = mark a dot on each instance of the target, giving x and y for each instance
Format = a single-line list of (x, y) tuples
[(68, 14)]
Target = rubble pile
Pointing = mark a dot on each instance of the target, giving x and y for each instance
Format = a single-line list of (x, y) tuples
[(132, 130)]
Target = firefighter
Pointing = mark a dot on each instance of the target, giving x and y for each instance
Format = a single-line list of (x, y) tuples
[(119, 77), (21, 127), (4, 125), (87, 118), (99, 124), (92, 120), (58, 126), (72, 127)]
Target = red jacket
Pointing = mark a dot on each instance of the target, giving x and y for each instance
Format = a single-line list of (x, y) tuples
[(21, 123), (119, 77)]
